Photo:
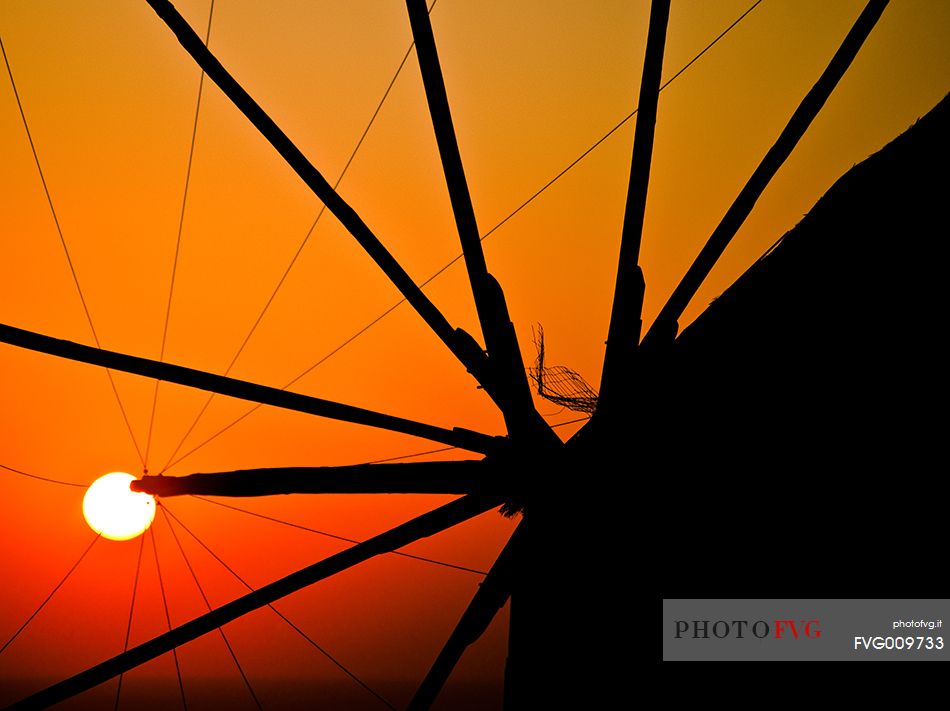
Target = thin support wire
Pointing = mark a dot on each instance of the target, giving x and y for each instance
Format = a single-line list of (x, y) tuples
[(410, 456), (303, 634), (181, 227), (41, 478), (128, 628), (336, 537), (224, 637), (168, 617), (50, 596), (173, 460), (62, 241)]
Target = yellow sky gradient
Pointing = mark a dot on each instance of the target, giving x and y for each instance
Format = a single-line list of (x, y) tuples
[(109, 96)]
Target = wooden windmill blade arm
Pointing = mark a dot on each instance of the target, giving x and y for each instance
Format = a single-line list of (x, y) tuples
[(492, 594), (422, 526), (459, 194), (623, 333), (455, 477), (243, 390), (472, 358), (506, 369), (665, 327)]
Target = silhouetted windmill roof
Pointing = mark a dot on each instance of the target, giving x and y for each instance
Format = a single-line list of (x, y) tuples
[(801, 406), (873, 239), (842, 313)]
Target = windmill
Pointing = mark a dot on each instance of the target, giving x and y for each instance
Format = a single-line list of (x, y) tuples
[(526, 571)]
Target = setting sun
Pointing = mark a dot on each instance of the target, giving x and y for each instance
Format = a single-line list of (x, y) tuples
[(115, 511)]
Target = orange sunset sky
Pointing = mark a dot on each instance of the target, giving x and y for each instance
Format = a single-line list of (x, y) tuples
[(110, 99)]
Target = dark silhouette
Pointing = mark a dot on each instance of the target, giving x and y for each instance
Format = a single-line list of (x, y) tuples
[(807, 392), (754, 433)]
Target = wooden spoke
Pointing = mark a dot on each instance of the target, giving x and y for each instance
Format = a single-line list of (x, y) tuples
[(623, 334), (244, 390), (492, 594), (507, 371), (463, 477)]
